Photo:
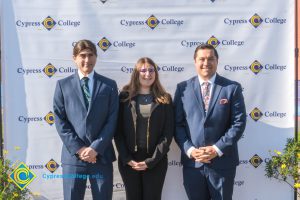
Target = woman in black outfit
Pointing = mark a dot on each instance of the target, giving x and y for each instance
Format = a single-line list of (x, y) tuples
[(144, 134)]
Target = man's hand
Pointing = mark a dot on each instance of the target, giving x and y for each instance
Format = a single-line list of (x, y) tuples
[(197, 153), (88, 154), (200, 156), (204, 154), (209, 154), (81, 150)]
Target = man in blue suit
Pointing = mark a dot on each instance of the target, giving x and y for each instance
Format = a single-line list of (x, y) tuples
[(210, 118), (86, 108)]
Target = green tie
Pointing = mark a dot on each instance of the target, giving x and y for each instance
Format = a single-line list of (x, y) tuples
[(86, 91)]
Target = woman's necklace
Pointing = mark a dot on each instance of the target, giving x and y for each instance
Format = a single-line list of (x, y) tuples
[(147, 98)]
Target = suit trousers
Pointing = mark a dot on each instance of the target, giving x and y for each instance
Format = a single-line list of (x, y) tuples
[(144, 185), (99, 175), (206, 183)]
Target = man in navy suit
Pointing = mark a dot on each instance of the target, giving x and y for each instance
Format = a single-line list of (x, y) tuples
[(86, 108), (210, 118)]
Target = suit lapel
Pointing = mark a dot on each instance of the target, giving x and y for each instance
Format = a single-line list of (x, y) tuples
[(198, 95), (77, 88), (215, 94), (96, 88)]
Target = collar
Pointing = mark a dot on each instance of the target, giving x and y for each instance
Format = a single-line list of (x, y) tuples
[(90, 75), (211, 80)]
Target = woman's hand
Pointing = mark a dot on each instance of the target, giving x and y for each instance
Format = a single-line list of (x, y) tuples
[(138, 166)]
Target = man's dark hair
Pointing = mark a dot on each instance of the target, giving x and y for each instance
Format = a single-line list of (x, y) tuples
[(206, 46), (82, 45)]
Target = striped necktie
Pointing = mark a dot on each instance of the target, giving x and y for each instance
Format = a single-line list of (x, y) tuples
[(86, 91)]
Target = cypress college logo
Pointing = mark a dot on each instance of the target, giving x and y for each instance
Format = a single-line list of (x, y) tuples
[(49, 118), (49, 70), (256, 67), (214, 41), (104, 44), (255, 20), (52, 166), (256, 114), (152, 22), (22, 176), (255, 161), (165, 68), (49, 23)]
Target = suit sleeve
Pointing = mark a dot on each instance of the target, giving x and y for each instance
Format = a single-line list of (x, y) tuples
[(107, 133), (237, 122), (165, 140), (122, 148), (65, 130), (181, 133)]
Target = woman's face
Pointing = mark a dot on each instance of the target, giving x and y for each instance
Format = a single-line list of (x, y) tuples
[(146, 76)]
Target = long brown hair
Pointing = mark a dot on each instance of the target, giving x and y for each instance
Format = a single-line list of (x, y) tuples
[(157, 90)]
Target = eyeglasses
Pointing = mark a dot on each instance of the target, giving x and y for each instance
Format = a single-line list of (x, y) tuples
[(144, 70)]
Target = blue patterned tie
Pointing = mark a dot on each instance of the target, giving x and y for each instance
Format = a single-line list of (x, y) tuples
[(86, 91)]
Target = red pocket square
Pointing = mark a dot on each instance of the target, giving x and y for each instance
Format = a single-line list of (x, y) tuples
[(223, 101)]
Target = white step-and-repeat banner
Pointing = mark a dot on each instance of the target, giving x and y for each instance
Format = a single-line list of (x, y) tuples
[(255, 40)]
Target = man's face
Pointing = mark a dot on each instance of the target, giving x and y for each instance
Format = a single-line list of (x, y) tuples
[(85, 61), (206, 63)]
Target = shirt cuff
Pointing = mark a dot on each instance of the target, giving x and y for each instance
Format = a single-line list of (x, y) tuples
[(219, 152), (189, 151)]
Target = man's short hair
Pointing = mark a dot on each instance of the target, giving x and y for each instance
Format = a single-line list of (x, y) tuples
[(82, 45), (206, 46)]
